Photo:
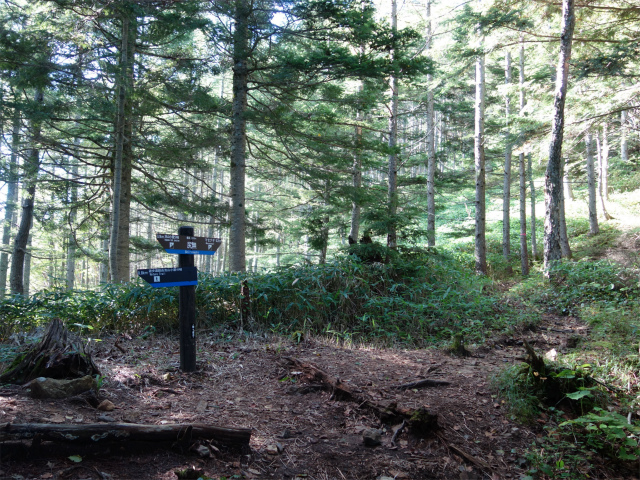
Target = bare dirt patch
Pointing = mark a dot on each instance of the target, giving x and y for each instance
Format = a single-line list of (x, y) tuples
[(246, 383)]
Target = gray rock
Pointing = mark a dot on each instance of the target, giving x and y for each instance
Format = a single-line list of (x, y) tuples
[(203, 451), (372, 437)]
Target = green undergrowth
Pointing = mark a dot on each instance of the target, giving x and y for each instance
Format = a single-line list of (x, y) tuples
[(592, 425), (419, 297)]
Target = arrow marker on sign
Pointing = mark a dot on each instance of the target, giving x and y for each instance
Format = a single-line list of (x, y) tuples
[(188, 245)]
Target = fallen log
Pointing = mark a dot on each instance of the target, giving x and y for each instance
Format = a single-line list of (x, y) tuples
[(427, 382), (420, 421), (102, 432)]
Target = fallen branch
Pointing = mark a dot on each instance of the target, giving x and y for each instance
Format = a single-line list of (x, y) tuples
[(478, 462), (605, 385), (420, 421), (100, 432), (427, 382), (117, 344), (397, 432)]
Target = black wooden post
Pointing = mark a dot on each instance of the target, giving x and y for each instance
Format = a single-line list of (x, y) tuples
[(187, 315)]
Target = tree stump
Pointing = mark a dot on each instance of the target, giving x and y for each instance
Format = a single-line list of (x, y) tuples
[(59, 354)]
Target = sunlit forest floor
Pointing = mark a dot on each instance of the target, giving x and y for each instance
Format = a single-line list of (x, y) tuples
[(244, 382)]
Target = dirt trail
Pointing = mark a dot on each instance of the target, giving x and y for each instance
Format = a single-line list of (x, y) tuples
[(295, 435)]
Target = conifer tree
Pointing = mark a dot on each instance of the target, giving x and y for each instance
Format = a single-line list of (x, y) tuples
[(553, 176)]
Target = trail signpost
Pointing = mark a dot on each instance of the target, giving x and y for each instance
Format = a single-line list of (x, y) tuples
[(170, 277), (188, 244), (186, 277)]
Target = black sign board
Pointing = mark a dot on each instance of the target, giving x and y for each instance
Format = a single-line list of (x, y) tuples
[(169, 277), (185, 244)]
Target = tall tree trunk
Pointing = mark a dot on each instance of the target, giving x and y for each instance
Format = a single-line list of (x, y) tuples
[(392, 192), (564, 237), (604, 167), (506, 190), (121, 189), (225, 259), (480, 216), (73, 211), (624, 148), (600, 152), (431, 146), (553, 175), (524, 250), (594, 228), (534, 243), (73, 194), (31, 168), (213, 265), (237, 241), (568, 188), (26, 280), (256, 249), (354, 231), (150, 239), (324, 228), (11, 201)]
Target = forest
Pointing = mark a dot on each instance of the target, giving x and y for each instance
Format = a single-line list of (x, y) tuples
[(403, 192)]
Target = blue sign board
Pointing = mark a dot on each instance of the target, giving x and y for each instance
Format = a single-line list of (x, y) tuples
[(169, 277)]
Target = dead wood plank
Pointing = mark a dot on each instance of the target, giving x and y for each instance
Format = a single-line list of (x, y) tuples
[(97, 432), (420, 421), (427, 382)]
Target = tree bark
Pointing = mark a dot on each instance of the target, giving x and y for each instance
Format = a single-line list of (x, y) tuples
[(604, 166), (104, 264), (26, 279), (31, 168), (506, 190), (237, 240), (594, 228), (121, 190), (624, 148), (356, 208), (392, 191), (73, 211), (480, 215), (532, 187), (431, 147), (553, 175), (568, 188), (564, 237), (602, 173), (11, 201), (119, 147), (524, 250)]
